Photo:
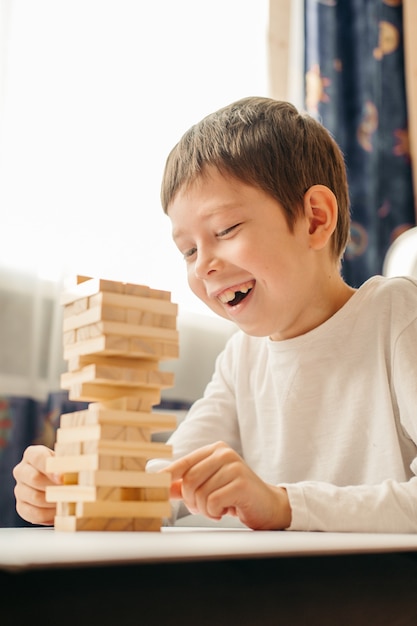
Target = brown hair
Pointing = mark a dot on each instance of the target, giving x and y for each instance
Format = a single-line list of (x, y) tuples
[(270, 145)]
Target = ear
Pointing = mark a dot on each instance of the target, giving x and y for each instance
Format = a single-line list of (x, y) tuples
[(320, 209)]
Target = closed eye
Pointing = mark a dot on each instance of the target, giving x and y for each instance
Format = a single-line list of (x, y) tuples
[(227, 231), (189, 253)]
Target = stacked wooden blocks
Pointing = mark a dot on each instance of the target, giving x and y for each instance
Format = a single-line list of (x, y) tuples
[(115, 335)]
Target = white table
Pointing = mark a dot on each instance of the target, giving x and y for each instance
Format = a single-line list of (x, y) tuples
[(23, 548), (206, 576)]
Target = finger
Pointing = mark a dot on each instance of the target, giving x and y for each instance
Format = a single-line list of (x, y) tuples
[(34, 515), (180, 467), (33, 497), (37, 457), (31, 505), (217, 493), (176, 490), (31, 470)]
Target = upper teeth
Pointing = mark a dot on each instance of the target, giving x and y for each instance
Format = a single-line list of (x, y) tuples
[(229, 294)]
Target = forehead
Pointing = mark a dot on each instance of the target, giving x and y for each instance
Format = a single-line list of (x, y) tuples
[(211, 188), (209, 197)]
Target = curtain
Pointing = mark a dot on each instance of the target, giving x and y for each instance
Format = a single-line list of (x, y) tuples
[(355, 85), (410, 38), (25, 421)]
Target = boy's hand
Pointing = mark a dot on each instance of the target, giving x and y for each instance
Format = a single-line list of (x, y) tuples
[(31, 482), (215, 481)]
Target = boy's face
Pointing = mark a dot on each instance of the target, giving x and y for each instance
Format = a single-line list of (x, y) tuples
[(242, 260)]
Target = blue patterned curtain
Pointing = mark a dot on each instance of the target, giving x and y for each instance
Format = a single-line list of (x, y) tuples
[(23, 422), (355, 85)]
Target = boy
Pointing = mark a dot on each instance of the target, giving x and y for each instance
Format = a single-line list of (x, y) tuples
[(310, 420)]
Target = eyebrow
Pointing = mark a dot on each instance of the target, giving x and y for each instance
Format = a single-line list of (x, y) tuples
[(178, 232)]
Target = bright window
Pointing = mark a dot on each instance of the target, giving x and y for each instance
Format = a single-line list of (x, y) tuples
[(95, 94)]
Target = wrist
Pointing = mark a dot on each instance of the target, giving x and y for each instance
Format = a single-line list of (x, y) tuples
[(283, 514)]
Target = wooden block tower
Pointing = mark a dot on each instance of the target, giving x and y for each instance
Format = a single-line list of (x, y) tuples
[(115, 334)]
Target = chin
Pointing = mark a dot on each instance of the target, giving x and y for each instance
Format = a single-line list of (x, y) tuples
[(252, 331)]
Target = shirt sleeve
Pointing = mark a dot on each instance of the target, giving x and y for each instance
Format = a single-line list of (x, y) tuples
[(389, 507)]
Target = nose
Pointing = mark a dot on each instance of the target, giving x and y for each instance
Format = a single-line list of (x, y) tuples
[(206, 263)]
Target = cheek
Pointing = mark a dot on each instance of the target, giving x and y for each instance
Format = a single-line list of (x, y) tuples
[(195, 285), (198, 289)]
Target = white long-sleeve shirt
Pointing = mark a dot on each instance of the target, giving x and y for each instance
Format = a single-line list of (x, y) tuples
[(331, 414)]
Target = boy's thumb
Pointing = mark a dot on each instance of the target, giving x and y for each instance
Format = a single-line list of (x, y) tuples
[(176, 490)]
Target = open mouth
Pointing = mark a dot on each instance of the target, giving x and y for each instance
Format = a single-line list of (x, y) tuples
[(234, 296), (240, 295)]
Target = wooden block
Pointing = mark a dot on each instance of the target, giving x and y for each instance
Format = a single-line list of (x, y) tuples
[(79, 361), (80, 278), (140, 318), (92, 316), (141, 290), (114, 375), (123, 509), (91, 433), (65, 508), (72, 463), (92, 286), (77, 418), (161, 349), (119, 404), (110, 468), (89, 287), (69, 338), (131, 318), (103, 344), (126, 403), (119, 478), (96, 414), (145, 450), (95, 327), (153, 305), (119, 463), (131, 494), (70, 493), (166, 321), (117, 494), (138, 434), (75, 308), (146, 524), (100, 494), (94, 461), (91, 392), (156, 294), (116, 345), (70, 478), (132, 463), (154, 494), (109, 313), (146, 318), (68, 449), (114, 463), (73, 523)]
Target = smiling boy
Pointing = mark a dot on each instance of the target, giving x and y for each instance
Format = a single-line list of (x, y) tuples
[(310, 419), (314, 405)]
